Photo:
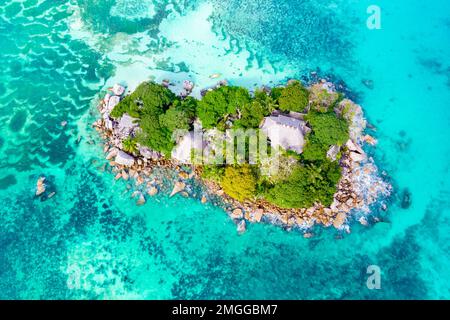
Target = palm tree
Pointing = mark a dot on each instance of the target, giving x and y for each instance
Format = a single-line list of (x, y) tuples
[(129, 145)]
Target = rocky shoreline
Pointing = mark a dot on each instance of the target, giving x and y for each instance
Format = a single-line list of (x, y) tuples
[(359, 187)]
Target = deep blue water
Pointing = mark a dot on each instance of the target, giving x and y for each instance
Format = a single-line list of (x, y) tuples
[(91, 241)]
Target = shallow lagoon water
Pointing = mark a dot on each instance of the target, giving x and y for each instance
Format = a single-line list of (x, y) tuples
[(91, 241)]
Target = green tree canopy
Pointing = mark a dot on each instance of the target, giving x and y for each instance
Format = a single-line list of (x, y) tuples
[(129, 145), (155, 136), (219, 103), (294, 97), (149, 98), (327, 130), (251, 115), (306, 185), (175, 118)]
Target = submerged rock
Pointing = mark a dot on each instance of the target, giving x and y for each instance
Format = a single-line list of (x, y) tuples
[(141, 200), (111, 154), (406, 199), (183, 175), (363, 221), (368, 83), (241, 227), (178, 187), (215, 75), (237, 214), (152, 191), (370, 140), (308, 235)]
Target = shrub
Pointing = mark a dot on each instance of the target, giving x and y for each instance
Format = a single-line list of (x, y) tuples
[(327, 130), (294, 97), (129, 145), (213, 172), (188, 105), (155, 136), (175, 118), (216, 105), (239, 182), (314, 150), (322, 100), (306, 185), (251, 115), (276, 92), (148, 98)]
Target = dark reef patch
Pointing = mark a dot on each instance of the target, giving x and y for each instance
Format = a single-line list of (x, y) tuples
[(406, 199), (274, 25), (18, 120), (7, 181)]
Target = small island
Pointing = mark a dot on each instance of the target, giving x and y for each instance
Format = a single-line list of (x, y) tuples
[(308, 166)]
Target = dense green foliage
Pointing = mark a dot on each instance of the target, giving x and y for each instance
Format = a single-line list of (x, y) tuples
[(251, 115), (294, 97), (301, 180), (129, 145), (306, 185), (149, 98), (155, 136), (276, 92), (213, 172), (175, 118), (323, 100), (160, 113), (327, 130), (239, 182), (217, 104)]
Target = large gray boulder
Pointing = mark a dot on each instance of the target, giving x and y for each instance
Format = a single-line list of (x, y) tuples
[(147, 153), (126, 126), (124, 159), (118, 90), (112, 102)]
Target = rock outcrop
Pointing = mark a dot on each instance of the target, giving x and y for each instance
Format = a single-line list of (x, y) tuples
[(177, 188), (124, 159), (40, 186)]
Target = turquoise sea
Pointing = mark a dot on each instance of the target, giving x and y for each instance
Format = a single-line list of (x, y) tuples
[(90, 241)]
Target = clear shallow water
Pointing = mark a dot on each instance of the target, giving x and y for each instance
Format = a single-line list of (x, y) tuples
[(91, 241)]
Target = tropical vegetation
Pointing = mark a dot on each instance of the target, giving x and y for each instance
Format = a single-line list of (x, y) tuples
[(302, 179)]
